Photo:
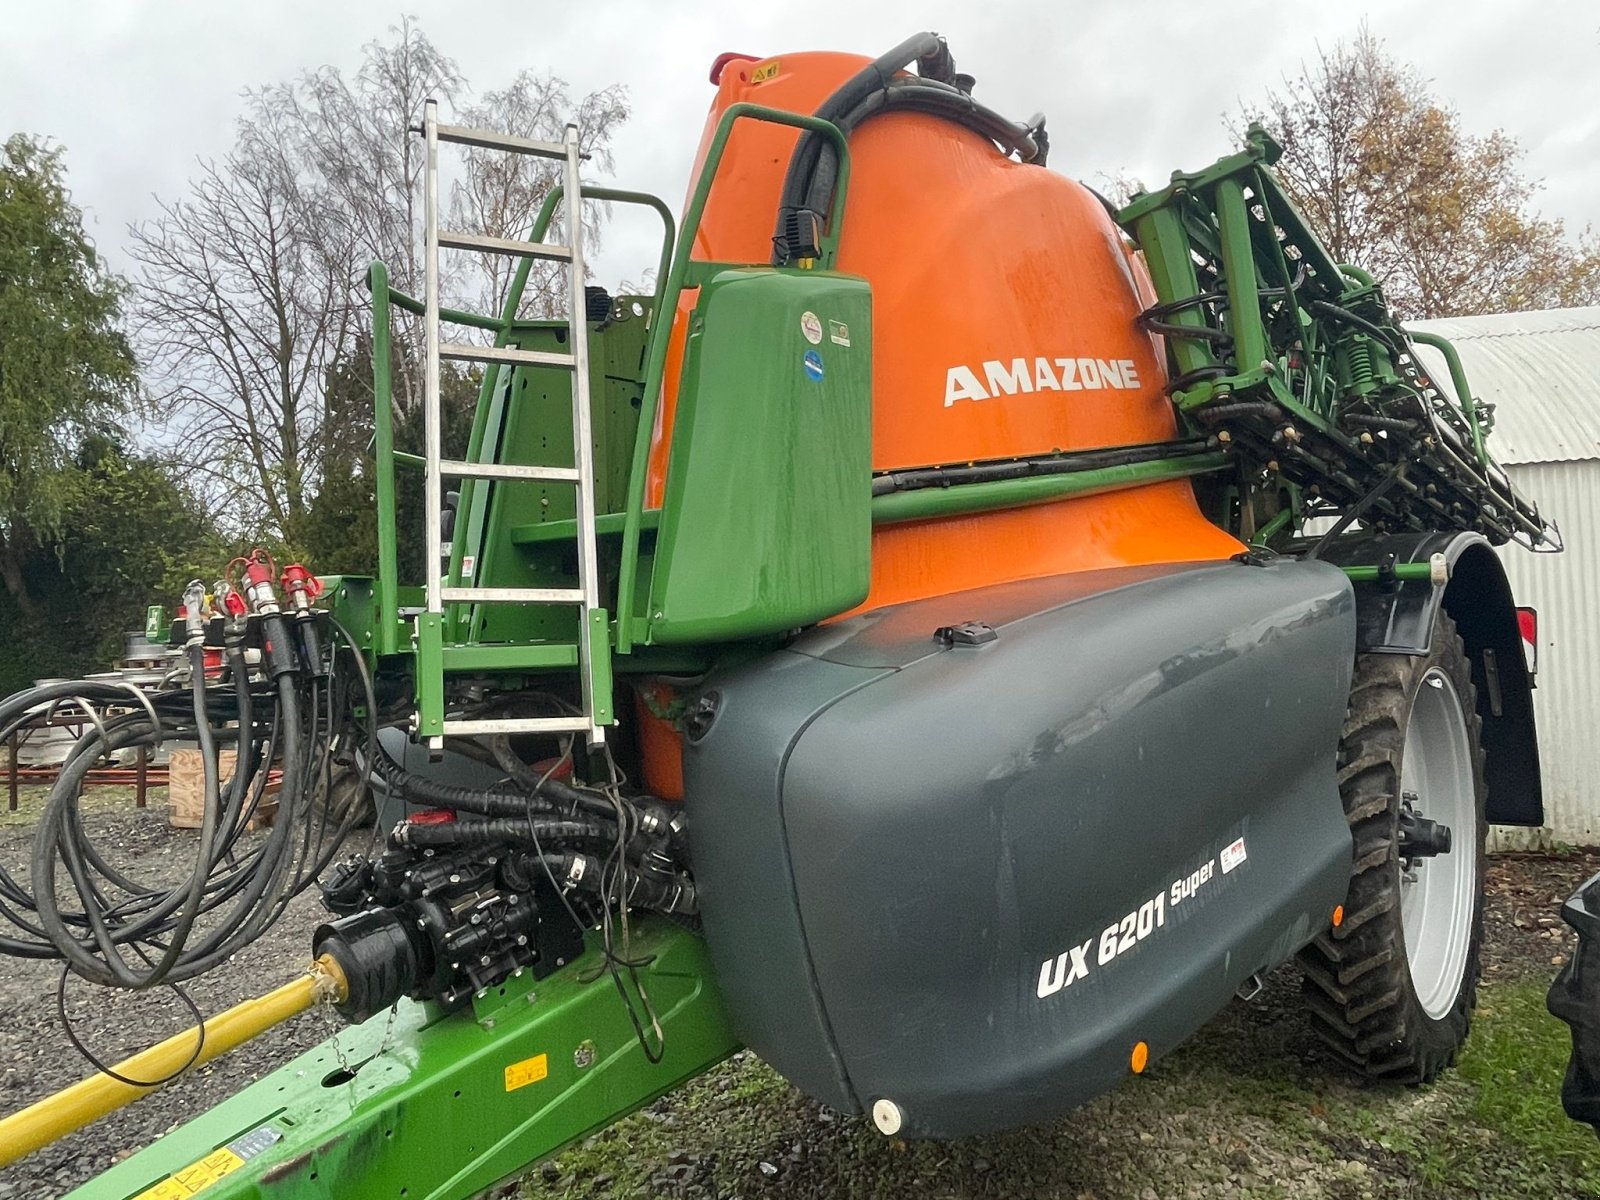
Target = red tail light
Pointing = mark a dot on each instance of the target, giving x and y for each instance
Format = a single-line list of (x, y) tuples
[(1528, 625)]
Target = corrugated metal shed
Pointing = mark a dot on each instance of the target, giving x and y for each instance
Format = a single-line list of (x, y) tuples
[(1564, 588), (1542, 371)]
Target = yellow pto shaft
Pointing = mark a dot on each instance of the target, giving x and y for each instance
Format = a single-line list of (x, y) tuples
[(90, 1099)]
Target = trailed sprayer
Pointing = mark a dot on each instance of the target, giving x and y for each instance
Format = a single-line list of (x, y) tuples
[(951, 637)]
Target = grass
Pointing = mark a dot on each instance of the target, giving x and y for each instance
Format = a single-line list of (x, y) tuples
[(1516, 1059)]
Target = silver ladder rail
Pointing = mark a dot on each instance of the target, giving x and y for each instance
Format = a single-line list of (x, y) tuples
[(591, 624)]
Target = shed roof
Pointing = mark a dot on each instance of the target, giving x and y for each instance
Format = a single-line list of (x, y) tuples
[(1541, 371)]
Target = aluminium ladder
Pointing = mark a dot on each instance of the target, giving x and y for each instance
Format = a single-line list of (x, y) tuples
[(593, 639)]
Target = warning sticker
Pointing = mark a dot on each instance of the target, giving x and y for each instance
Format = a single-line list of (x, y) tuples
[(529, 1070), (766, 71), (839, 333), (811, 327), (1232, 856), (225, 1160)]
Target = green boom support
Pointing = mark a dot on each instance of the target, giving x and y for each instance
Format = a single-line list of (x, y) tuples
[(1298, 364)]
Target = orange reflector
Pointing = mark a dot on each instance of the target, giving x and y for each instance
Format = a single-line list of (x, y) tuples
[(1338, 915), (1141, 1058)]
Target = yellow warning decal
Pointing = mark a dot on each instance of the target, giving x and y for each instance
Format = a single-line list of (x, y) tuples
[(766, 71), (529, 1070), (224, 1160), (189, 1181)]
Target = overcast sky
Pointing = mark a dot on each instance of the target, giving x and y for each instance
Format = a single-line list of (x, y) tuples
[(136, 91)]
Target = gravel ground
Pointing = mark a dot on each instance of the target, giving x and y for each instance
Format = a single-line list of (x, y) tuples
[(1250, 1108), (35, 1057)]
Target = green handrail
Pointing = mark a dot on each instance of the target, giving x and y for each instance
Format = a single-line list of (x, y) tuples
[(455, 316), (383, 455), (666, 308), (519, 282), (508, 316), (1458, 377), (671, 272)]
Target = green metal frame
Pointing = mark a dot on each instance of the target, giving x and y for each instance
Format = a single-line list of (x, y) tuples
[(1297, 359), (434, 1107)]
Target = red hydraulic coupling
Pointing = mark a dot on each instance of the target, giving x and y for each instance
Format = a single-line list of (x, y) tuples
[(301, 587), (227, 601), (258, 583)]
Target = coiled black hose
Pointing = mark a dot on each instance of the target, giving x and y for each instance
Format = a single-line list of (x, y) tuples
[(122, 930)]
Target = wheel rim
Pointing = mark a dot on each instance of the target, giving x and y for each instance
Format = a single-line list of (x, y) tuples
[(1438, 895)]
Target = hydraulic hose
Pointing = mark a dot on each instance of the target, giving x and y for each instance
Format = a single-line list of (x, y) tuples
[(50, 846), (809, 149), (552, 796), (1023, 468), (118, 929), (937, 90), (461, 834), (663, 892)]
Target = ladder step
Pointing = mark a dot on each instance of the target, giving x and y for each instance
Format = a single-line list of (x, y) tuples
[(516, 725), (492, 595), (487, 139), (470, 470), (467, 352), (492, 245)]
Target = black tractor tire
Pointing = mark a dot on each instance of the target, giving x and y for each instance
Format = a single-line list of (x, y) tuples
[(1357, 976)]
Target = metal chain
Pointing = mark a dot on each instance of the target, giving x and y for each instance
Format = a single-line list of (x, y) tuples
[(388, 1028), (342, 1058)]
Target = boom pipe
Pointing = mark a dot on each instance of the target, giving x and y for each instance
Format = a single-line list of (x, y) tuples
[(963, 498), (90, 1099)]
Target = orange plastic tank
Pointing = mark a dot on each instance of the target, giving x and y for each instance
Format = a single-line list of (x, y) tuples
[(1004, 306)]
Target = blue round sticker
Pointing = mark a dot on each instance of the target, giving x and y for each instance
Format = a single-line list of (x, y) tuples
[(813, 365)]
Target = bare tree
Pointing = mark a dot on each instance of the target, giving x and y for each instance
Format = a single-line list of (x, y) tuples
[(1391, 182), (239, 319), (250, 288), (349, 146), (500, 194)]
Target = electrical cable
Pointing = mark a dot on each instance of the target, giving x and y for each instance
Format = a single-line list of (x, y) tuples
[(98, 1065)]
